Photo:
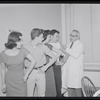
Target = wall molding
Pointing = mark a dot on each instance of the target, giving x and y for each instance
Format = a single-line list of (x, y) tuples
[(92, 67)]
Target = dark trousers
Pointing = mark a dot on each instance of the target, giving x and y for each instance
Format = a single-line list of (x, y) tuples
[(74, 92), (57, 77)]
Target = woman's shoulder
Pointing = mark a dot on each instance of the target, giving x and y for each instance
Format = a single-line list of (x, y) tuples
[(2, 53), (23, 48), (45, 48), (2, 56)]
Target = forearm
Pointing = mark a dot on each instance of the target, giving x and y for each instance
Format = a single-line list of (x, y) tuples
[(3, 72), (48, 65), (51, 62), (30, 69), (3, 76), (64, 51), (66, 57)]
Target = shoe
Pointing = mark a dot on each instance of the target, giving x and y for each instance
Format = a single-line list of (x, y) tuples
[(64, 92)]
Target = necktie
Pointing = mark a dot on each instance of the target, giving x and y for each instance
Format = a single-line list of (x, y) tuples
[(71, 45)]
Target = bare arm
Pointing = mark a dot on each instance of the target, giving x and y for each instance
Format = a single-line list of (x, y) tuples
[(63, 53), (54, 58), (65, 58), (63, 50), (3, 72), (59, 50), (33, 62), (55, 49)]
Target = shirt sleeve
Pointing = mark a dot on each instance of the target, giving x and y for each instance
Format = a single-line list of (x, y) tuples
[(49, 46), (46, 49), (2, 60)]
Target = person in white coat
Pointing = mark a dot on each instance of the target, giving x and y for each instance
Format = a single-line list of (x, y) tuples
[(72, 71)]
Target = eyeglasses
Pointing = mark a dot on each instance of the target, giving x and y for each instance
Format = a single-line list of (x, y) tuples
[(73, 35)]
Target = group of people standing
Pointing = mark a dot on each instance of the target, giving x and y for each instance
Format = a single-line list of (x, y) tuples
[(52, 67)]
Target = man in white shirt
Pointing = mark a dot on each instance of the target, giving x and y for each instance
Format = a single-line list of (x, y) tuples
[(74, 65), (56, 67)]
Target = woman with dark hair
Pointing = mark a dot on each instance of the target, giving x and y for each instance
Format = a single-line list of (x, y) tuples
[(50, 81), (13, 60)]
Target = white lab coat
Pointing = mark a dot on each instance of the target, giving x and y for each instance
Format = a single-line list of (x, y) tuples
[(72, 71)]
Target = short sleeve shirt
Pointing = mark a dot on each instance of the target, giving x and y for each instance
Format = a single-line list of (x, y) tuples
[(38, 52)]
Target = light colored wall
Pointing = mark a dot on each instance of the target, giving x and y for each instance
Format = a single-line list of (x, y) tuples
[(24, 17), (79, 18), (92, 70), (96, 32), (86, 19), (82, 22)]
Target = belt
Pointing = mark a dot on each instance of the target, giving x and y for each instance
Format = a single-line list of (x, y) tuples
[(36, 68)]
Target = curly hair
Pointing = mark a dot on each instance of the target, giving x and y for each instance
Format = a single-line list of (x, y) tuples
[(13, 37)]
